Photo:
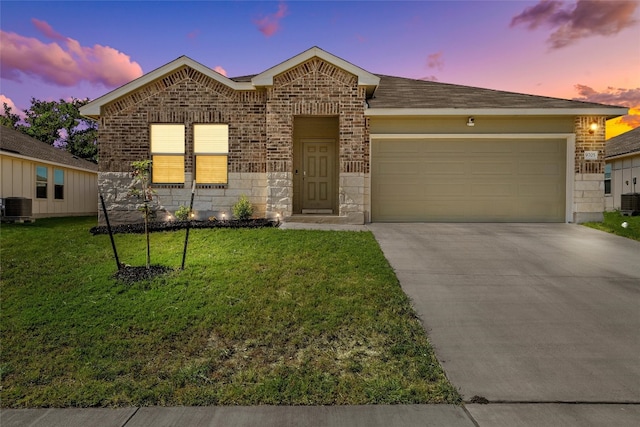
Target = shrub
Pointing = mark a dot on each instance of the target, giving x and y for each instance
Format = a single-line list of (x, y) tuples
[(243, 209), (183, 213)]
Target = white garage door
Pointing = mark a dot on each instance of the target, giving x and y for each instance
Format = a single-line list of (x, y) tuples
[(468, 180)]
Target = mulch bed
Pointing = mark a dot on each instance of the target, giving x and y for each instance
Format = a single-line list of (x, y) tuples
[(181, 225), (130, 275)]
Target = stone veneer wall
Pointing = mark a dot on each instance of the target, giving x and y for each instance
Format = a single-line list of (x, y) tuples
[(122, 208), (588, 190), (316, 88)]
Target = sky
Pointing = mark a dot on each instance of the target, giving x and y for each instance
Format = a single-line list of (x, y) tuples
[(584, 50)]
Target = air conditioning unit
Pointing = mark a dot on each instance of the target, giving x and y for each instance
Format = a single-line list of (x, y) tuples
[(630, 204), (17, 209)]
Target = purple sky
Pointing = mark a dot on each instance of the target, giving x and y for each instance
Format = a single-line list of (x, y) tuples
[(586, 50)]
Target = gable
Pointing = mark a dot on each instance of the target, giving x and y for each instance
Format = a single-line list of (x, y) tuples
[(182, 76), (93, 108), (316, 70), (364, 78)]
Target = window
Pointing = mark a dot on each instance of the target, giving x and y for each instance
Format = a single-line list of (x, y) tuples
[(607, 179), (58, 184), (211, 149), (167, 154), (41, 182)]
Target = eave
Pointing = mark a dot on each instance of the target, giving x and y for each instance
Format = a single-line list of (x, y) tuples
[(92, 109), (609, 112)]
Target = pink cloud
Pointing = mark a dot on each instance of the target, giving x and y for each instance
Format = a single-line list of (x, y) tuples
[(63, 62), (219, 69), (10, 104), (585, 18), (47, 30), (611, 96), (270, 24), (193, 34), (614, 96), (435, 61)]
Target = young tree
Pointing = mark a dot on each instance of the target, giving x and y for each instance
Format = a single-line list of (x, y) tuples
[(141, 188), (7, 118)]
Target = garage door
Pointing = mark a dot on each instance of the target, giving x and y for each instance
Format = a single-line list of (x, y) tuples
[(468, 180)]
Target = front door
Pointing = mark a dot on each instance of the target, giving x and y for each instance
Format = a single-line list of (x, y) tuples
[(318, 175)]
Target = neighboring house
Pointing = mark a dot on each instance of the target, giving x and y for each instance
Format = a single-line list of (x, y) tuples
[(58, 183), (622, 156), (318, 138)]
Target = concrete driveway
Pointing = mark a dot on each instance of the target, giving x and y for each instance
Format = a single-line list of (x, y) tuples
[(525, 313)]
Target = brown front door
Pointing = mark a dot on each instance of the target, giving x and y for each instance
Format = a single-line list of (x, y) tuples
[(318, 175)]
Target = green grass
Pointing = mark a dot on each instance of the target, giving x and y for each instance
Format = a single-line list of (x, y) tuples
[(613, 224), (260, 316)]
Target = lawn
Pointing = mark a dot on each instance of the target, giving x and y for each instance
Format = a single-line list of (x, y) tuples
[(258, 316), (613, 224)]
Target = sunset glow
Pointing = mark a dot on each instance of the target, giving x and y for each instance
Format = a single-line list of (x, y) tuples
[(583, 50)]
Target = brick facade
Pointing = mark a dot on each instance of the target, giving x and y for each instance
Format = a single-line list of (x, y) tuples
[(260, 136), (318, 93)]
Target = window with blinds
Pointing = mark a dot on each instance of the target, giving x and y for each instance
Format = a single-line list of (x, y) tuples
[(211, 149), (167, 153)]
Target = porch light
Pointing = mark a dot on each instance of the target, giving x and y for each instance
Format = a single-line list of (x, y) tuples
[(593, 127), (224, 216)]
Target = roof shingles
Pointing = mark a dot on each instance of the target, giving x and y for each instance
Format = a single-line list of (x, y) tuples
[(13, 141), (400, 92), (626, 143)]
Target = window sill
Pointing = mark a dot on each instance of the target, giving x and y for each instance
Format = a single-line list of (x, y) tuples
[(167, 185), (213, 186)]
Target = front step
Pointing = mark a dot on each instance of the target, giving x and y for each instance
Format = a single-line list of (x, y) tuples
[(318, 219)]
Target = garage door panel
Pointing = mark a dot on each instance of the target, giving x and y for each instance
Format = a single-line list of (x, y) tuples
[(469, 180), (491, 190), (541, 146), (400, 168), (540, 168), (491, 147), (493, 168), (543, 190)]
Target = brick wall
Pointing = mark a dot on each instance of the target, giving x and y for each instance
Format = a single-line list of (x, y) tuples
[(315, 88), (186, 97), (588, 191), (260, 134)]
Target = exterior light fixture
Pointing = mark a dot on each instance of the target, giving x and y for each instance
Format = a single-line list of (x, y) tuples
[(593, 127), (223, 216), (471, 121)]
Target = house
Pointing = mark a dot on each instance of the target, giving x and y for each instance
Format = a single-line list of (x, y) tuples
[(56, 182), (316, 138), (622, 168)]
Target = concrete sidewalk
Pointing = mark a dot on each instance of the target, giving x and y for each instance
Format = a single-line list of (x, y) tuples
[(242, 416)]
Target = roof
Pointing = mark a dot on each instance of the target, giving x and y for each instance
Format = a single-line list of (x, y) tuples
[(625, 144), (387, 95), (17, 143), (408, 95)]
